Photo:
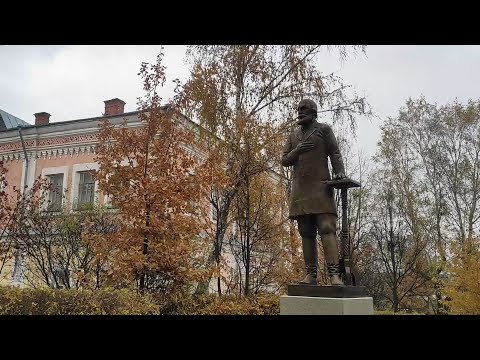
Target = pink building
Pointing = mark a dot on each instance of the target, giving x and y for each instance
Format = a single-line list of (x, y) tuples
[(62, 151)]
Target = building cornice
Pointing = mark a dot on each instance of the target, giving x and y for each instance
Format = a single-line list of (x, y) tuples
[(69, 138)]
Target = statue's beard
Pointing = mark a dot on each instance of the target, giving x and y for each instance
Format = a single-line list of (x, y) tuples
[(304, 119)]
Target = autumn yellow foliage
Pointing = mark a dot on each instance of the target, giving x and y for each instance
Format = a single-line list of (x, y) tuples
[(463, 287), (47, 301), (108, 301), (212, 304)]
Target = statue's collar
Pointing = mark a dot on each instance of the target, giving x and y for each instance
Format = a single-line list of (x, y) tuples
[(311, 129)]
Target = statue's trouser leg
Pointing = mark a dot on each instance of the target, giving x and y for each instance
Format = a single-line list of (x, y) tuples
[(326, 224), (308, 231)]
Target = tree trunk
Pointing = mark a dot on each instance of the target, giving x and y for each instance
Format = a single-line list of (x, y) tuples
[(219, 285), (395, 299), (247, 247), (145, 249), (224, 209)]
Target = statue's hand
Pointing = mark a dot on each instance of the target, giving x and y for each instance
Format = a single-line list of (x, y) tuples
[(339, 176), (304, 147)]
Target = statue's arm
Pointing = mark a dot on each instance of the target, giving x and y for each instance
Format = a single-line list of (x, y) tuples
[(333, 151), (289, 155)]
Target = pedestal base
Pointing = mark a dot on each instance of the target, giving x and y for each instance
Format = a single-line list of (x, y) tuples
[(345, 291), (308, 305)]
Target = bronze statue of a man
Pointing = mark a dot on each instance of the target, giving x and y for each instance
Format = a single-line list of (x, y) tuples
[(312, 201)]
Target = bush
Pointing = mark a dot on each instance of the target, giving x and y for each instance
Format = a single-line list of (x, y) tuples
[(186, 304), (390, 312), (46, 301)]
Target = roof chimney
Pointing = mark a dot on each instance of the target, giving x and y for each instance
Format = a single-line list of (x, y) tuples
[(42, 118), (114, 107)]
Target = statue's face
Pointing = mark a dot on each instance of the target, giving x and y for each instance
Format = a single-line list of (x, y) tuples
[(306, 112)]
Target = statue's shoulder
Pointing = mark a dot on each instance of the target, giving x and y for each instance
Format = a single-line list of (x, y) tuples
[(324, 128)]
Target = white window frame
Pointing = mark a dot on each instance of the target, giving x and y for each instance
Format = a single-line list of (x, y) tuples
[(107, 199), (54, 171), (77, 169)]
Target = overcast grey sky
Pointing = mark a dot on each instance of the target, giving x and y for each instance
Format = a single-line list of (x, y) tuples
[(71, 82)]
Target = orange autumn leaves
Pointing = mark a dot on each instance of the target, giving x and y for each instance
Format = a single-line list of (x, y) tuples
[(156, 176)]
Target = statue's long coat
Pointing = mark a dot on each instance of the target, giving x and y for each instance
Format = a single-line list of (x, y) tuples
[(309, 195)]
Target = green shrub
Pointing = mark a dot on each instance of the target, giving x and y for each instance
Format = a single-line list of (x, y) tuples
[(46, 301), (390, 312), (186, 304)]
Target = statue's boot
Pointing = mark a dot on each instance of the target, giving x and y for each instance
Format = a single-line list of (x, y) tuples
[(332, 257), (310, 256), (309, 280)]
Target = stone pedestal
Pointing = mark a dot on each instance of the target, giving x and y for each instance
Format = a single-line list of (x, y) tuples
[(325, 300)]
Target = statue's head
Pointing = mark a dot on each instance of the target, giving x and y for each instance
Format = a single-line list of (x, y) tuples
[(307, 111)]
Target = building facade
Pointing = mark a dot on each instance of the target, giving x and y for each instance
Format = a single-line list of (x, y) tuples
[(63, 152)]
